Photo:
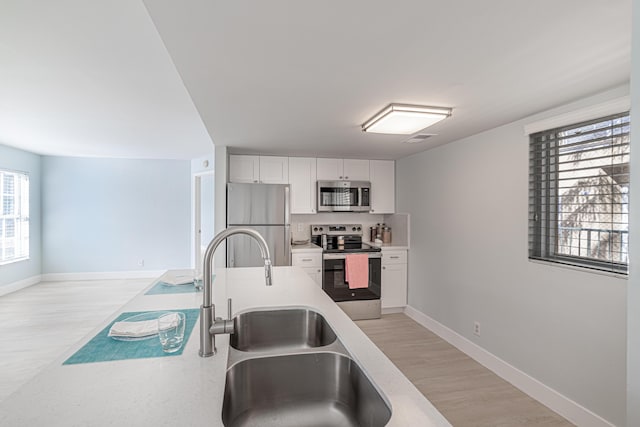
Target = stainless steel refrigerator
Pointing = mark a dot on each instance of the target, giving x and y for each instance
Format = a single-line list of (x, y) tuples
[(265, 208)]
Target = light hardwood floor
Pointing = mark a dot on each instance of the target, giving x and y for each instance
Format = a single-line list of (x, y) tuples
[(39, 323), (465, 392)]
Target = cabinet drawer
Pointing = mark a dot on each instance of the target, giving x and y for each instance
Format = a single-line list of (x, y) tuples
[(307, 260), (394, 257)]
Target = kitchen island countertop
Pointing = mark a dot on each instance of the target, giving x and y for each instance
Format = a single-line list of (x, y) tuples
[(188, 389)]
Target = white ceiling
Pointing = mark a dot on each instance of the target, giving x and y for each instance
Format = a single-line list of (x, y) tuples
[(92, 78), (290, 76)]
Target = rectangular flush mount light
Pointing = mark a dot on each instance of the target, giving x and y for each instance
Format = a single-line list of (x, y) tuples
[(405, 119)]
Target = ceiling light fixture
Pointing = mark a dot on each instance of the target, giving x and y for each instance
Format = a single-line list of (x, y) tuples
[(405, 119)]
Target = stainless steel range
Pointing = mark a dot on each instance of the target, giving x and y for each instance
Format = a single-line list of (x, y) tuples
[(338, 241)]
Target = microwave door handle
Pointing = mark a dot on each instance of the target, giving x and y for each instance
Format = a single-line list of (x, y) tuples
[(359, 203)]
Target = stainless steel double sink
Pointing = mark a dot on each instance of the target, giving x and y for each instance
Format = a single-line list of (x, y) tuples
[(288, 368)]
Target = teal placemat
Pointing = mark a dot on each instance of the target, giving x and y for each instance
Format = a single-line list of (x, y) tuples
[(102, 348), (162, 288)]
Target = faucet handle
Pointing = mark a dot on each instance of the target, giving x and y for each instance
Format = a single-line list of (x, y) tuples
[(229, 309)]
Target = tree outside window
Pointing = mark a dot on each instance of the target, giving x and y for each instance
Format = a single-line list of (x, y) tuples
[(579, 186)]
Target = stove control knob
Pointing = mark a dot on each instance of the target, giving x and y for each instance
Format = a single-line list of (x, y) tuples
[(359, 228), (353, 229), (315, 228), (321, 229)]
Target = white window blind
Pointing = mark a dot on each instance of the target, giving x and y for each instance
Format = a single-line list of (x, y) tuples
[(579, 194), (14, 216)]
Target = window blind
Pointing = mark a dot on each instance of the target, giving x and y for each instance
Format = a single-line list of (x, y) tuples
[(579, 194), (14, 216)]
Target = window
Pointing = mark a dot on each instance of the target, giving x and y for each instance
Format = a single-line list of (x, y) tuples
[(14, 216), (579, 194)]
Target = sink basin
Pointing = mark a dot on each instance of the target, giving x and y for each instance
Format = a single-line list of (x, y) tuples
[(280, 329), (301, 390)]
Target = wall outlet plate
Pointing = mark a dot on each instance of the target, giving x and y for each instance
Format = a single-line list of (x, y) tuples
[(476, 328)]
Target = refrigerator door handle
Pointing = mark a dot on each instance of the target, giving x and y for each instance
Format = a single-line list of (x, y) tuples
[(287, 209), (230, 260), (287, 243)]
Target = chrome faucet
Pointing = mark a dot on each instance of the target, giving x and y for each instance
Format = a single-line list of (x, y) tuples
[(208, 329)]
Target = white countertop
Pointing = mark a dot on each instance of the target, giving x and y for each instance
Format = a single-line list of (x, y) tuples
[(389, 246), (393, 247), (187, 389), (307, 247)]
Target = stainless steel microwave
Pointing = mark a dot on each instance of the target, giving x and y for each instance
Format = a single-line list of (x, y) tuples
[(344, 196)]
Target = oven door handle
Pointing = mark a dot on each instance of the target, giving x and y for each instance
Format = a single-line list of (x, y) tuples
[(344, 256)]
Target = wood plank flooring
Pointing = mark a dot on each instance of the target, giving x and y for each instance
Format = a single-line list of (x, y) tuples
[(465, 392), (39, 323)]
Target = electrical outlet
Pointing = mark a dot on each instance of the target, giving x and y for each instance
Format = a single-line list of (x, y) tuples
[(476, 328), (141, 263), (300, 229)]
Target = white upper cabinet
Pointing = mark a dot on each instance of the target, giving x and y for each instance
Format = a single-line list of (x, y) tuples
[(356, 170), (244, 169), (329, 169), (302, 178), (382, 176), (259, 169), (302, 173), (343, 169), (274, 170)]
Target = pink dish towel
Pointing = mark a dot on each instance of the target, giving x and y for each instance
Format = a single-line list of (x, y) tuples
[(356, 270)]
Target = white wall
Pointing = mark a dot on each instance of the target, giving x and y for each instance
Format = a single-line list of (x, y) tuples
[(468, 262), (633, 293), (23, 161), (220, 209), (202, 168), (105, 215)]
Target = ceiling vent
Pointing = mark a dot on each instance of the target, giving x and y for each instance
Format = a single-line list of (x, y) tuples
[(421, 137)]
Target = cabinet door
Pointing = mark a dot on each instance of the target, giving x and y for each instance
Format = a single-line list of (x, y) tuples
[(356, 170), (382, 173), (307, 259), (244, 169), (394, 285), (274, 170), (329, 169), (302, 178)]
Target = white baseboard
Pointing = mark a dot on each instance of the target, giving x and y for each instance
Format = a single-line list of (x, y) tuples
[(392, 310), (20, 284), (107, 275), (557, 402)]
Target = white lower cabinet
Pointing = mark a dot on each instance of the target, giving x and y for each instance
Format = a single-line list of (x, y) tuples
[(394, 278), (311, 263)]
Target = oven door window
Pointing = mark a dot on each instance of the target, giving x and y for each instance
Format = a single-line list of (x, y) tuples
[(333, 281), (332, 196)]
